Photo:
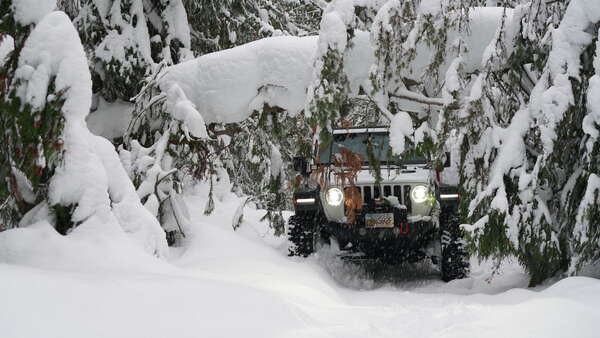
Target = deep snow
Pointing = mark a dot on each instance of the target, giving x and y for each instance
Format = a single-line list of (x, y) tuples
[(228, 284)]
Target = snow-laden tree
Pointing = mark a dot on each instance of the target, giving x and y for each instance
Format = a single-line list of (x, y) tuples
[(222, 24), (31, 118), (115, 33), (250, 98), (583, 200), (329, 95), (561, 175), (234, 148), (254, 144), (487, 84), (415, 43), (72, 179), (125, 39), (497, 150), (260, 151), (164, 146), (527, 183), (511, 191)]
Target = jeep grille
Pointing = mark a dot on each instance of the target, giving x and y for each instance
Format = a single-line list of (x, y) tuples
[(371, 192)]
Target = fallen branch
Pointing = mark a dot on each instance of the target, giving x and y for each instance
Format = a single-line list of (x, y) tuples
[(412, 96)]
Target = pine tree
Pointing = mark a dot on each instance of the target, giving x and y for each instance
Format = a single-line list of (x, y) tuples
[(329, 96), (125, 39), (71, 178), (515, 186), (32, 123), (218, 24), (251, 146), (165, 144), (584, 202), (521, 169), (263, 147), (116, 36)]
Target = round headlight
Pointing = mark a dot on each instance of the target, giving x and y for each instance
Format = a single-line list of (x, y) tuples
[(334, 196), (419, 194)]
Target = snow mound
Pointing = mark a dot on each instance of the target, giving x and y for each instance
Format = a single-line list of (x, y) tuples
[(93, 247)]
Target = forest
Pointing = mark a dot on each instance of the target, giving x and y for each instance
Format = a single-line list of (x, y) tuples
[(132, 126)]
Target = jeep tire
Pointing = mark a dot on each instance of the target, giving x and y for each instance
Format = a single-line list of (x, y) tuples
[(301, 233), (454, 263)]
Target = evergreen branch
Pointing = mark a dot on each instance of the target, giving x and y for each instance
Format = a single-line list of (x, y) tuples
[(176, 218)]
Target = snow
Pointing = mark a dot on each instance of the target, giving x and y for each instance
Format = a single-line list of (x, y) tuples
[(553, 94), (225, 284), (114, 46), (113, 276), (7, 44), (28, 12), (483, 24), (401, 127), (110, 119), (227, 86), (184, 110), (358, 60), (177, 22), (90, 177), (276, 162), (54, 48)]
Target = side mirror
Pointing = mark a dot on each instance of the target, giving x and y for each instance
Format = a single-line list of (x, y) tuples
[(301, 165), (447, 163)]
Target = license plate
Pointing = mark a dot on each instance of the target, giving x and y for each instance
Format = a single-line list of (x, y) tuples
[(379, 220)]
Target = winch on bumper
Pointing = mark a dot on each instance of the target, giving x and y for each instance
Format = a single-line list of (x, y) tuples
[(404, 240)]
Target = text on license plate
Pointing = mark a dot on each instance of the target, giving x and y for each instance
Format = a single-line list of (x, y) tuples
[(380, 220)]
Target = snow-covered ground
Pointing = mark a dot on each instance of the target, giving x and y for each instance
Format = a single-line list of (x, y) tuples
[(241, 284)]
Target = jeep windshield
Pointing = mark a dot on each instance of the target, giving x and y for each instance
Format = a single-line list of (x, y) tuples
[(373, 145)]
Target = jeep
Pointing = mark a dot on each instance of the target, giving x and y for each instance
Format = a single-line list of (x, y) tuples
[(376, 205)]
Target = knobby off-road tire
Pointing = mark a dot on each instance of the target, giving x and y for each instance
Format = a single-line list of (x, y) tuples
[(304, 233), (455, 260)]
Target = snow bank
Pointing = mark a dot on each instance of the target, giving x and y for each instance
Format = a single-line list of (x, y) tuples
[(91, 177), (91, 248), (230, 284)]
